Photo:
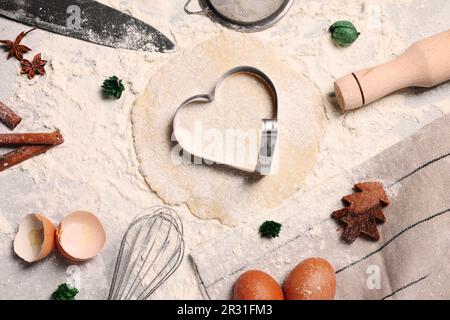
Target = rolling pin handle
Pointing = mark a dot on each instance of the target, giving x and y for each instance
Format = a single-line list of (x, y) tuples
[(349, 93), (425, 64)]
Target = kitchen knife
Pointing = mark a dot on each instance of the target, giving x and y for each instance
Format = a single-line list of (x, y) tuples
[(87, 20)]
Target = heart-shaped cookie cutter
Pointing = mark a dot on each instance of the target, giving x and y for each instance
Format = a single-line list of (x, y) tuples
[(269, 135)]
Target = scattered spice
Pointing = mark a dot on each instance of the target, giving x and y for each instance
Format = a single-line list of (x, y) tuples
[(26, 150), (33, 68), (270, 229), (15, 49), (9, 117), (363, 212), (24, 139), (65, 292), (21, 154), (344, 33), (113, 87)]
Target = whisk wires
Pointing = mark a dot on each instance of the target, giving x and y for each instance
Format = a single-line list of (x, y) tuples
[(151, 250)]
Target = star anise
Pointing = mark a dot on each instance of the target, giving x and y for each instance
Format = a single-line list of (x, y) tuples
[(15, 49), (33, 68)]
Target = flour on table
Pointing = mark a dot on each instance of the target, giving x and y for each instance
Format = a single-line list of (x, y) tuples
[(5, 226), (97, 170)]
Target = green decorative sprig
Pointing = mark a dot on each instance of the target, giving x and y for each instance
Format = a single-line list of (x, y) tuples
[(270, 229), (65, 292), (344, 33), (113, 87)]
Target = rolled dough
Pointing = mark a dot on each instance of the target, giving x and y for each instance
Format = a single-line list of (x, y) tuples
[(217, 191)]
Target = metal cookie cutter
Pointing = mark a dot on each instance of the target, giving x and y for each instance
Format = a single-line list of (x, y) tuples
[(269, 126)]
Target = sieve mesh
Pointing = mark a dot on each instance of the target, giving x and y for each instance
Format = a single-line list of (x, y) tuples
[(247, 11)]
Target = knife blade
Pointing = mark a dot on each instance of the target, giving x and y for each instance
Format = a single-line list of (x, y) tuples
[(87, 20)]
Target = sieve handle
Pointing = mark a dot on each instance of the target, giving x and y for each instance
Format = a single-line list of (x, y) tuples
[(186, 9)]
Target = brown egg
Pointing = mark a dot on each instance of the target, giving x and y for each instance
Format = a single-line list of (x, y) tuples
[(257, 285), (313, 279)]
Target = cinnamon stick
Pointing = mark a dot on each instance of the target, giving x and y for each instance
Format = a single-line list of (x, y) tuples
[(22, 139), (22, 154), (9, 117)]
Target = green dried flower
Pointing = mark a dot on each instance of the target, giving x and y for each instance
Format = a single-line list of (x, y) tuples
[(113, 87), (270, 229), (65, 292), (344, 33)]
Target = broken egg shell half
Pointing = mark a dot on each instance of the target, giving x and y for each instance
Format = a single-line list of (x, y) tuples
[(80, 236), (35, 239)]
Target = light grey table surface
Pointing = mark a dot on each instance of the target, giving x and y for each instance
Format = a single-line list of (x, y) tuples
[(21, 193)]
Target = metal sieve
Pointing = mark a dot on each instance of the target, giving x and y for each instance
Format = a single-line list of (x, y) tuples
[(243, 15)]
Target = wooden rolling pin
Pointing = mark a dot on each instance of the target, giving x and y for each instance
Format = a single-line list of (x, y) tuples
[(425, 64)]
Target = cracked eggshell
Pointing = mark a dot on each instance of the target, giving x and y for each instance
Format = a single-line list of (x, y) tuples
[(35, 239), (80, 236)]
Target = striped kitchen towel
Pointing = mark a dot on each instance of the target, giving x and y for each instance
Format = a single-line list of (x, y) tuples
[(412, 258)]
